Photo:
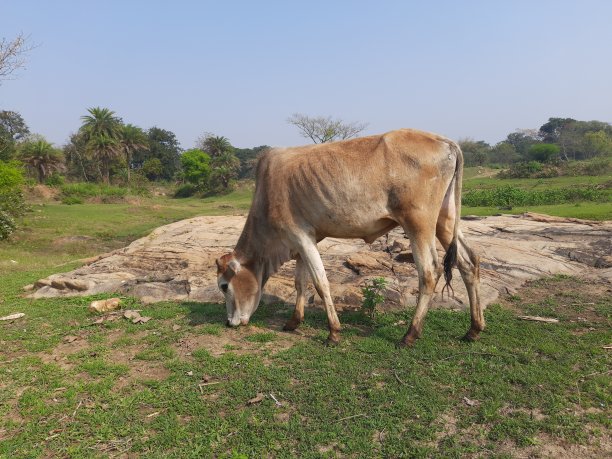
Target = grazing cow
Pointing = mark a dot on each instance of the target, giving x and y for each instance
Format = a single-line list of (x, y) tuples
[(358, 188)]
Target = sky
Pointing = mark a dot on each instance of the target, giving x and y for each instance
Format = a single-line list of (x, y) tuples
[(464, 69)]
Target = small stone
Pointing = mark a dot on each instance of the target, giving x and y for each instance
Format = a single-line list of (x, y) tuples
[(105, 305)]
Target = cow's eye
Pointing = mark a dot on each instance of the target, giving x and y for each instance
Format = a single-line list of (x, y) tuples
[(224, 287)]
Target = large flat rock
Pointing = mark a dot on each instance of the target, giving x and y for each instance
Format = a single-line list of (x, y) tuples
[(177, 262)]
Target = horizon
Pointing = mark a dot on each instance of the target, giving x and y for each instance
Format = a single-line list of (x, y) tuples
[(472, 70)]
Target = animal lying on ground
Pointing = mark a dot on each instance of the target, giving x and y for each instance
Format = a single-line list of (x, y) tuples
[(358, 188)]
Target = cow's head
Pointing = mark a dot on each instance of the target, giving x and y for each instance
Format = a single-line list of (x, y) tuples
[(241, 287)]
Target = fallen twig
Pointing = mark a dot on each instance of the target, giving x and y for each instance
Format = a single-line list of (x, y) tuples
[(398, 379), (549, 320), (76, 409), (17, 315), (275, 400)]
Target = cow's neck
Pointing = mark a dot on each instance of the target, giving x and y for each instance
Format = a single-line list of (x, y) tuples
[(259, 248)]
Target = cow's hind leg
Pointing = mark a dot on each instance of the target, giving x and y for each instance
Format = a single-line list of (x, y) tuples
[(301, 284), (426, 259), (468, 263)]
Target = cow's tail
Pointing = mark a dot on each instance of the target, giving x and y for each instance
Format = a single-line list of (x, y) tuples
[(450, 259)]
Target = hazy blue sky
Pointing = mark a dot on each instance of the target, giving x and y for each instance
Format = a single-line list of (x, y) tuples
[(239, 68)]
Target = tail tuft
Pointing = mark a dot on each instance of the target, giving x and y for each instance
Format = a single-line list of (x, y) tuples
[(450, 260)]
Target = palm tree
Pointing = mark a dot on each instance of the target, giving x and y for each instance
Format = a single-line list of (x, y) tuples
[(224, 169), (101, 121), (216, 145), (42, 157), (105, 149), (102, 131), (132, 139)]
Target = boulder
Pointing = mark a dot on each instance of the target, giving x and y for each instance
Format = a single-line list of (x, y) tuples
[(177, 262)]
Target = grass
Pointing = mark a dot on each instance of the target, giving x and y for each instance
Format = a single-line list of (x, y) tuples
[(180, 385)]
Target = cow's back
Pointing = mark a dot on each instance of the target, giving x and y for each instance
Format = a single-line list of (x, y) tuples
[(346, 188)]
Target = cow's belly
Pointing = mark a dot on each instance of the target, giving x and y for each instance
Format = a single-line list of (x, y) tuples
[(357, 229)]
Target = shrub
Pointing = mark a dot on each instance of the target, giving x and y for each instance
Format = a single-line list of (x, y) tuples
[(55, 180), (12, 203), (509, 196), (71, 200), (372, 295), (186, 190), (91, 190)]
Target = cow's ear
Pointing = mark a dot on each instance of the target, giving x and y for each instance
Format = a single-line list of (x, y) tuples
[(234, 265), (219, 263)]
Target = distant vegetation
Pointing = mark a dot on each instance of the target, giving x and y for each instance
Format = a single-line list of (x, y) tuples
[(106, 160)]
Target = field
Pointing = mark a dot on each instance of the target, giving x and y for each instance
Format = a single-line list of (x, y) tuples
[(182, 385)]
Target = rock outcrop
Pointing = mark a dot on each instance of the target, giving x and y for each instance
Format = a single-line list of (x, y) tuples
[(177, 262)]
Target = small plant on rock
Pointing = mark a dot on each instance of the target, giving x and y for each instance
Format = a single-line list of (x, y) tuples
[(372, 295)]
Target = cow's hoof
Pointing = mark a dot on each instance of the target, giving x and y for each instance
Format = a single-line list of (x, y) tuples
[(470, 337), (332, 342), (292, 325), (403, 344)]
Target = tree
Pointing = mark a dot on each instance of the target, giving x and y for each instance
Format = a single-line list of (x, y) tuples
[(101, 121), (598, 143), (132, 139), (13, 55), (152, 168), (248, 160), (214, 145), (164, 146), (544, 152), (106, 150), (552, 129), (12, 129), (522, 141), (503, 153), (476, 153), (322, 129), (224, 170), (196, 167), (42, 157)]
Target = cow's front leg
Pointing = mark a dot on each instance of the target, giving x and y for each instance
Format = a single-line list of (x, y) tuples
[(312, 260), (301, 284)]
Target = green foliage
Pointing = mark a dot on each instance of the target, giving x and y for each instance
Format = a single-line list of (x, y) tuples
[(164, 146), (544, 152), (475, 153), (248, 160), (152, 168), (372, 296), (41, 157), (90, 190), (196, 167), (12, 129), (185, 191), (55, 180), (70, 200), (12, 203), (523, 169), (11, 176), (508, 196)]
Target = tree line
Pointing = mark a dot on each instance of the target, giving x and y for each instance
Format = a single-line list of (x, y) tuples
[(559, 139), (105, 149)]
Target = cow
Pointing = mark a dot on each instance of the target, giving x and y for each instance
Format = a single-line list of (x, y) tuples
[(358, 188)]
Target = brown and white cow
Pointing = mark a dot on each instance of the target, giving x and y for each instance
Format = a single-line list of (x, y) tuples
[(359, 188)]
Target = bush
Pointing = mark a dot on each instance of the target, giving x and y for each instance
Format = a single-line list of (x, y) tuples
[(509, 196), (55, 180), (12, 203), (69, 200), (372, 296), (91, 190), (185, 191), (521, 170)]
